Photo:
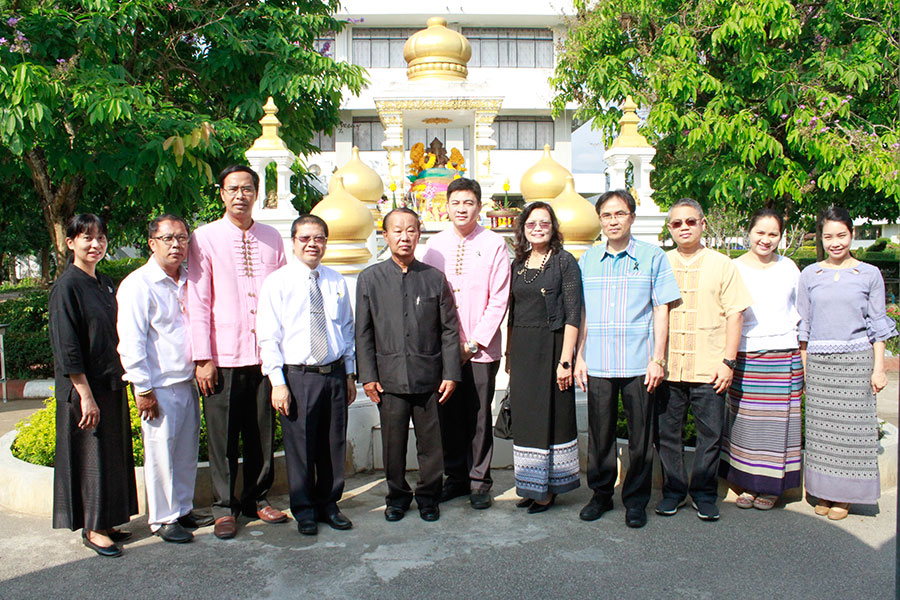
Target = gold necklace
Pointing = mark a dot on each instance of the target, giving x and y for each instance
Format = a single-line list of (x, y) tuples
[(523, 271)]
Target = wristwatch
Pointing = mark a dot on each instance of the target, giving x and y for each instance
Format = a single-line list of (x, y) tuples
[(731, 363), (660, 361), (352, 376), (472, 347), (564, 364)]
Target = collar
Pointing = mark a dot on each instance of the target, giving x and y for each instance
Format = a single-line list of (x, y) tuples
[(156, 273), (629, 250), (303, 269), (472, 235), (412, 266), (229, 223)]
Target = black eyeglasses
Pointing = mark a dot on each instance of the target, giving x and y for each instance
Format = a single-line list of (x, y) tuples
[(690, 222)]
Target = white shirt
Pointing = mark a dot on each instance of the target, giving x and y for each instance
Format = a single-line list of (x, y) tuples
[(282, 320), (154, 337), (771, 322)]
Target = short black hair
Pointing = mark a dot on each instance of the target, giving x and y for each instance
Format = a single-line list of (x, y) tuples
[(764, 213), (461, 184), (153, 227), (308, 219), (401, 210), (88, 223), (835, 213), (622, 195), (238, 169)]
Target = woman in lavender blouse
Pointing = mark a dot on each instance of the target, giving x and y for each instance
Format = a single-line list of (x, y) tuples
[(843, 327)]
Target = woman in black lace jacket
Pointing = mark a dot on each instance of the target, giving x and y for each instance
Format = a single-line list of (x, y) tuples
[(544, 316)]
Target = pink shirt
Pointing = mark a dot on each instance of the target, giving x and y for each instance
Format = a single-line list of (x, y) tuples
[(226, 269), (477, 268)]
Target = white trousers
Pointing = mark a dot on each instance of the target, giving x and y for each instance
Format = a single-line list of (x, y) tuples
[(170, 453)]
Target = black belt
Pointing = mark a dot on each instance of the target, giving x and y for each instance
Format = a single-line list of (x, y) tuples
[(320, 369)]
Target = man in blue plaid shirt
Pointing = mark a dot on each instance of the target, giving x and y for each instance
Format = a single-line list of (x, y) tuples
[(628, 286)]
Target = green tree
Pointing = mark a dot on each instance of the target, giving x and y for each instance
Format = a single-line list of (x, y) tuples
[(789, 104), (129, 107)]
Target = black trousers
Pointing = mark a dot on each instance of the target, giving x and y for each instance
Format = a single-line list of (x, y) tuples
[(315, 441), (603, 405), (467, 428), (240, 411), (395, 411), (708, 409)]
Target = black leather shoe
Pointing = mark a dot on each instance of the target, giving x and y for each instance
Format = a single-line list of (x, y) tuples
[(110, 551), (635, 517), (524, 502), (194, 520), (480, 500), (537, 507), (117, 535), (394, 513), (337, 520), (174, 533), (594, 509), (430, 513), (307, 527), (454, 491)]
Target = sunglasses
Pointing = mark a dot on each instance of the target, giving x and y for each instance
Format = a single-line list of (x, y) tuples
[(691, 222), (529, 225), (304, 239)]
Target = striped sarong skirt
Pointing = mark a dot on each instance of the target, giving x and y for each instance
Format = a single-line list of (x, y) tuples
[(841, 428), (761, 443)]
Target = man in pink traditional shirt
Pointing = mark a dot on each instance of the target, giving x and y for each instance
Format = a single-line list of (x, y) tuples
[(227, 263), (476, 264)]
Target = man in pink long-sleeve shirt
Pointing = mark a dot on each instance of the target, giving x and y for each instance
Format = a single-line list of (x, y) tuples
[(476, 264), (227, 263)]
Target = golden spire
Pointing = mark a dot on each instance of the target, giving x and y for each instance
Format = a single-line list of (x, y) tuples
[(362, 181), (269, 140), (628, 128), (545, 180), (437, 52), (349, 225), (578, 220)]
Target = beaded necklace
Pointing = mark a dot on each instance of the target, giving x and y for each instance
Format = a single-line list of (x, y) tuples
[(524, 270)]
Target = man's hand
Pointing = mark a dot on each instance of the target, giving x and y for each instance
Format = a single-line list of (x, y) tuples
[(351, 390), (147, 405), (446, 389), (90, 413), (207, 377), (281, 399), (655, 374), (373, 390), (722, 379), (464, 354), (580, 373)]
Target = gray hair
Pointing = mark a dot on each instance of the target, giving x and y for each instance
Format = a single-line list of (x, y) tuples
[(686, 202)]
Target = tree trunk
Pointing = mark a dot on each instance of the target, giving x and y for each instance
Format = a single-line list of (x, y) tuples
[(45, 266), (57, 202)]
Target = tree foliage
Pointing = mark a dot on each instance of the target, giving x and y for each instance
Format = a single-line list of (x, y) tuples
[(786, 103), (129, 107)]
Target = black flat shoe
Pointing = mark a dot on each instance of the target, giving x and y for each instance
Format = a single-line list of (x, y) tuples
[(524, 502), (480, 500), (430, 513), (595, 509), (393, 513), (174, 533), (337, 520), (111, 551), (307, 527), (635, 517), (117, 535), (536, 507)]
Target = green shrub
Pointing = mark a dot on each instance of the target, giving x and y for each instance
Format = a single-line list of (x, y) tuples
[(26, 284), (27, 338), (879, 245), (690, 431), (117, 270)]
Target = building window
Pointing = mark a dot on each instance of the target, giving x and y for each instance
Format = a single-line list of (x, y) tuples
[(379, 47), (367, 133), (325, 45), (507, 47), (523, 133), (425, 137), (324, 141)]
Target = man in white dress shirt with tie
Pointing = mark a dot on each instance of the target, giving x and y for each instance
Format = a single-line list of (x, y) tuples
[(155, 348), (305, 326)]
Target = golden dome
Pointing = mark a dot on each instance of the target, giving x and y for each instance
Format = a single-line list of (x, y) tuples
[(545, 180), (362, 181), (349, 225), (628, 128), (437, 52), (578, 220)]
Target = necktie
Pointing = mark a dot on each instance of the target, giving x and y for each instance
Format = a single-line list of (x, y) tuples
[(318, 338)]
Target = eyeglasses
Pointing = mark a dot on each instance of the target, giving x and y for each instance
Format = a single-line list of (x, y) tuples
[(244, 191), (529, 225), (168, 239), (304, 239), (618, 216), (691, 222)]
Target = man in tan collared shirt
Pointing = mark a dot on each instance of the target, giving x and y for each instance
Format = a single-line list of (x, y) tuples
[(704, 333)]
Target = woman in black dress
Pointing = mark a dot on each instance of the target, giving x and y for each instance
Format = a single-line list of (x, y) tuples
[(544, 315), (94, 487)]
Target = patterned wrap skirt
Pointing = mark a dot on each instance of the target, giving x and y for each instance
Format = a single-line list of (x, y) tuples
[(761, 443), (841, 428)]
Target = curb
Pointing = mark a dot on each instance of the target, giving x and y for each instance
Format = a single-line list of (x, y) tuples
[(22, 389)]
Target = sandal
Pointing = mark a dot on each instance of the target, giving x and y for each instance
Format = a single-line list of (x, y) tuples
[(823, 507), (838, 511), (745, 500), (765, 502)]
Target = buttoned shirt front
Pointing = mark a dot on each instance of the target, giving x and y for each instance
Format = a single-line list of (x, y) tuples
[(620, 291), (711, 291), (154, 337), (226, 269), (283, 320), (477, 268)]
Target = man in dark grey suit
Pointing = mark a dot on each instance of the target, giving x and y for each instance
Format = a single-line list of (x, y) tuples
[(407, 352)]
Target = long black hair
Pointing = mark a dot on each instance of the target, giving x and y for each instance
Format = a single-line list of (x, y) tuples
[(521, 245)]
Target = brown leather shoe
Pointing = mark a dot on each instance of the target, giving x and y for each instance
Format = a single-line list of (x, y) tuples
[(225, 528), (271, 514)]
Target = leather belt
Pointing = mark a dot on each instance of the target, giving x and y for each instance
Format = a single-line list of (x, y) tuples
[(320, 369)]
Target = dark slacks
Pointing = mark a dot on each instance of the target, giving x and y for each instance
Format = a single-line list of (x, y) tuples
[(467, 428), (240, 412), (315, 441), (603, 409), (395, 411), (708, 408)]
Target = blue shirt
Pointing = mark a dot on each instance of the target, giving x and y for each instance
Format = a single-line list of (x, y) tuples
[(620, 291)]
